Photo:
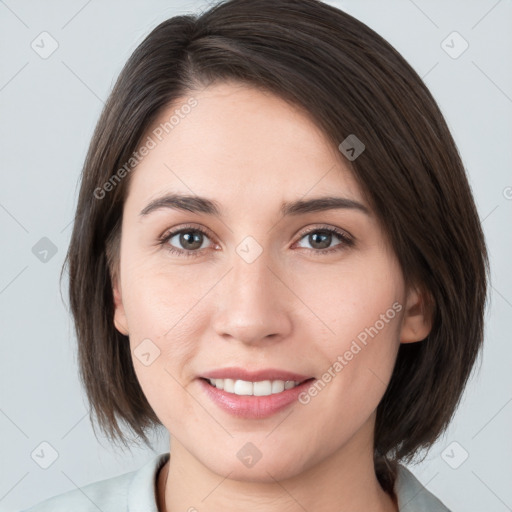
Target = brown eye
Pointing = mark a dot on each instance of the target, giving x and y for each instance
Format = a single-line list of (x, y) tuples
[(190, 239), (320, 240), (187, 241)]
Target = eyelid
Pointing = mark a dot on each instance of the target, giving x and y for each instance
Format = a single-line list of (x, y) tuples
[(175, 231), (300, 234), (164, 238), (347, 239), (326, 227)]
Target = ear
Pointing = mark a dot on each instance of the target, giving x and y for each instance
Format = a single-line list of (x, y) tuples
[(416, 322), (120, 320)]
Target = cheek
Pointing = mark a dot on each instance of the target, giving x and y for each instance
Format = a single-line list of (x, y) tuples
[(161, 386), (163, 345), (159, 310), (351, 297), (157, 296), (363, 309), (161, 331), (357, 363)]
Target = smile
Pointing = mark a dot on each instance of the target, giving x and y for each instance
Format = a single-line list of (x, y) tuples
[(253, 399), (248, 388)]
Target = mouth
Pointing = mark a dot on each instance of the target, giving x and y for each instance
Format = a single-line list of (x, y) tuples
[(254, 388), (254, 399)]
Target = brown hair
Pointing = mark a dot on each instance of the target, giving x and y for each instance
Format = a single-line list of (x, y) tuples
[(351, 81)]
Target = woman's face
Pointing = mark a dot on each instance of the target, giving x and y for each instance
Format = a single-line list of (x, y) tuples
[(254, 287)]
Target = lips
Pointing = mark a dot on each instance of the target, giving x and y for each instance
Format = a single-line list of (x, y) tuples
[(253, 407), (254, 376)]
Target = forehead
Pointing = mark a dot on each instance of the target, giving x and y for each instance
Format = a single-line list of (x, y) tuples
[(239, 144)]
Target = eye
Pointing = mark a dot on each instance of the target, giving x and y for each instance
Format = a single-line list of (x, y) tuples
[(191, 240), (321, 238)]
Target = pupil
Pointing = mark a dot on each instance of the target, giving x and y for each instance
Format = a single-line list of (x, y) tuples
[(321, 238), (191, 241)]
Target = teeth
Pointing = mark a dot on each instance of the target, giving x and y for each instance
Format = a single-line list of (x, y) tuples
[(260, 388)]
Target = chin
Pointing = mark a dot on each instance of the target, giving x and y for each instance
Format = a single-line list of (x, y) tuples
[(262, 468)]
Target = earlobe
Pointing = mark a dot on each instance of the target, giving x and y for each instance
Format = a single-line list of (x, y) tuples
[(416, 322), (119, 313)]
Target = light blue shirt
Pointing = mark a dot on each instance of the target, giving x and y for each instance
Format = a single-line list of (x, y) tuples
[(136, 492)]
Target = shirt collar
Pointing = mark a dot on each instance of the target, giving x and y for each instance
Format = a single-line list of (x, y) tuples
[(142, 491), (412, 496)]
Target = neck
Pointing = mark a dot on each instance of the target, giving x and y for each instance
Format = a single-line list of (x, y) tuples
[(186, 484)]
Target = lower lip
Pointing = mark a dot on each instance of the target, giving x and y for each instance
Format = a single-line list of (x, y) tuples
[(253, 407)]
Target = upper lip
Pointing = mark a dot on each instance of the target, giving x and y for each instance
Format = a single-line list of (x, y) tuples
[(254, 376)]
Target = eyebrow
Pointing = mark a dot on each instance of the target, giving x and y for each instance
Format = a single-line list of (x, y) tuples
[(197, 204)]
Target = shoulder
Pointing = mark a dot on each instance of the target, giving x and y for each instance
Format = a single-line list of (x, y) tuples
[(413, 496), (105, 495), (130, 491)]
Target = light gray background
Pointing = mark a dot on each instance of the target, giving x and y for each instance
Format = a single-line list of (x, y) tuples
[(49, 108)]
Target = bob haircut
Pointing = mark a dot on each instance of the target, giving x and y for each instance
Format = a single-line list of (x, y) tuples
[(350, 81)]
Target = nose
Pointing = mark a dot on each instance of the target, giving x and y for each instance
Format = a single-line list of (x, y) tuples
[(253, 303)]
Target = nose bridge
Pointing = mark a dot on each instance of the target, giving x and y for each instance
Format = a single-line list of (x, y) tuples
[(250, 264), (251, 304), (253, 284), (252, 281)]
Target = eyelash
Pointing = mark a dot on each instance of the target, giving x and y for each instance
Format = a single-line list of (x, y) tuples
[(346, 241)]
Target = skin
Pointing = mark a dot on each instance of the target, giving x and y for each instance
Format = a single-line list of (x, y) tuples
[(291, 308)]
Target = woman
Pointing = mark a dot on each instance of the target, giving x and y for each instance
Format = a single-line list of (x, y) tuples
[(276, 255)]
